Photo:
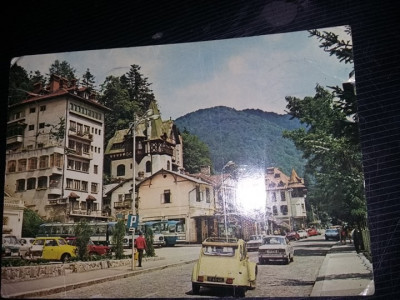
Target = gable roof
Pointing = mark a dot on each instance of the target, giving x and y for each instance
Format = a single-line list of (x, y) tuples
[(177, 174)]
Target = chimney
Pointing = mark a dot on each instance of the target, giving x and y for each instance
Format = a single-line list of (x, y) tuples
[(37, 87), (54, 83), (205, 170)]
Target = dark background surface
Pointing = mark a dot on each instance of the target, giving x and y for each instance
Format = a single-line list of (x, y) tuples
[(38, 27)]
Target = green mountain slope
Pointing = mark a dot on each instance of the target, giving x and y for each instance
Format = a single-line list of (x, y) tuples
[(247, 137)]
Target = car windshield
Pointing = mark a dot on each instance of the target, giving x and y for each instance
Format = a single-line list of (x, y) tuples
[(62, 242), (331, 231), (255, 238), (274, 241), (219, 250)]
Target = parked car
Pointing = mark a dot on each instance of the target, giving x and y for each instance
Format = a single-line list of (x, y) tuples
[(254, 242), (224, 263), (332, 234), (52, 248), (275, 248), (292, 236), (26, 243), (10, 246), (93, 249), (302, 233), (312, 232)]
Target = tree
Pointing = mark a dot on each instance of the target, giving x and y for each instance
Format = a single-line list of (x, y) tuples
[(195, 153), (149, 242), (88, 80), (118, 238), (138, 88), (62, 69), (19, 84), (82, 234), (330, 143), (30, 223)]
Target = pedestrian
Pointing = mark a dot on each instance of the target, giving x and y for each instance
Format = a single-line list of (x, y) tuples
[(140, 245), (343, 235), (357, 239)]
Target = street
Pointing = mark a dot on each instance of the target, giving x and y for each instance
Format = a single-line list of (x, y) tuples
[(273, 280)]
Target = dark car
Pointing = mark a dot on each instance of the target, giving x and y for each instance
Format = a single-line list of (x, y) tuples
[(293, 236), (332, 234)]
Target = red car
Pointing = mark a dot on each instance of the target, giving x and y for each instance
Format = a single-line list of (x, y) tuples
[(93, 249), (312, 232), (293, 236)]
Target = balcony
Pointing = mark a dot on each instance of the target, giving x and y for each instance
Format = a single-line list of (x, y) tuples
[(87, 213), (127, 204), (80, 134), (14, 139), (58, 201)]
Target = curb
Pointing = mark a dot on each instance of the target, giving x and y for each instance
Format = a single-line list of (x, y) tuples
[(60, 289)]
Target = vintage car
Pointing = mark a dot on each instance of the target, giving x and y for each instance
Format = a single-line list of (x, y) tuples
[(332, 234), (254, 242), (302, 233), (93, 249), (293, 236), (26, 243), (52, 248), (275, 248), (10, 246), (224, 263)]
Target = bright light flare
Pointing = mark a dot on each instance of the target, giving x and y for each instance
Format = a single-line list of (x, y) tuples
[(251, 193)]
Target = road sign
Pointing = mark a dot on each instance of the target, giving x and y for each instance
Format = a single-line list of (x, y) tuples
[(133, 221)]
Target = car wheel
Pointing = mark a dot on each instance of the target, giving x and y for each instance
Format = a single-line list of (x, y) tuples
[(195, 288), (292, 258), (260, 261), (65, 257), (288, 260)]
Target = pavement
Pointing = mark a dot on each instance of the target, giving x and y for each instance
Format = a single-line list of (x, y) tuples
[(344, 272)]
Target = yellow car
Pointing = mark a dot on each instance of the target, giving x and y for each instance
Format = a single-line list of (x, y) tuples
[(52, 248), (224, 262)]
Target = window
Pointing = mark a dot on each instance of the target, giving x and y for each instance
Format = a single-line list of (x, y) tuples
[(284, 210), (71, 144), (12, 164), (77, 185), (198, 194), (32, 110), (32, 163), (120, 197), (148, 167), (121, 170), (20, 185), (85, 167), (72, 125), (167, 196), (93, 187), (84, 186), (95, 169), (79, 129), (273, 197), (43, 108), (41, 125), (274, 210), (87, 129), (69, 183), (85, 148), (42, 182), (208, 196), (31, 184), (283, 196), (168, 165), (78, 165), (31, 127), (70, 164), (43, 162), (55, 160), (22, 165)]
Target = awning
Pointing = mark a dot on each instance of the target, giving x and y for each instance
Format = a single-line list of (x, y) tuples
[(90, 198), (73, 195)]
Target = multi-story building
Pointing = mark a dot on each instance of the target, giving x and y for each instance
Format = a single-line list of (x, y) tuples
[(285, 206), (158, 145), (54, 156)]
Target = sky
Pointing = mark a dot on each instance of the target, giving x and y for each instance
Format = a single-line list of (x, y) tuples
[(251, 72)]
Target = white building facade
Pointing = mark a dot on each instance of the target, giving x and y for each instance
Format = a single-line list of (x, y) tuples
[(54, 157)]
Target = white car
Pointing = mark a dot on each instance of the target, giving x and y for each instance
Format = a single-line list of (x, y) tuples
[(26, 243), (10, 245), (254, 242), (302, 233), (275, 248)]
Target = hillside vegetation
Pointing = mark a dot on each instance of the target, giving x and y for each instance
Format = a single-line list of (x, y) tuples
[(247, 137)]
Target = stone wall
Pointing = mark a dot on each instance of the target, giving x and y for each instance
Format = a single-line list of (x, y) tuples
[(10, 274)]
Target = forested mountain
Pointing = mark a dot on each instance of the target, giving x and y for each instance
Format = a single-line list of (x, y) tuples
[(247, 137)]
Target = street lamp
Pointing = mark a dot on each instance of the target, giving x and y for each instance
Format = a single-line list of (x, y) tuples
[(133, 126), (228, 164)]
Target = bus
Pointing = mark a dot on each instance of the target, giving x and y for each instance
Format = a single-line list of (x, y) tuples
[(101, 232), (161, 227), (179, 228)]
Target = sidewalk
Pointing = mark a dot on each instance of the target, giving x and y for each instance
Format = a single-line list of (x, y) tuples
[(46, 286), (344, 272)]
